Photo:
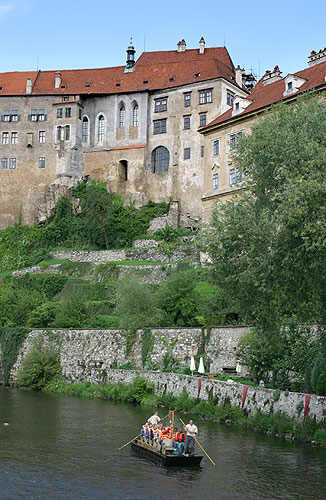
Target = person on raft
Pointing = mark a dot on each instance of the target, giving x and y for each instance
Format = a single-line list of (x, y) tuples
[(191, 431), (154, 419)]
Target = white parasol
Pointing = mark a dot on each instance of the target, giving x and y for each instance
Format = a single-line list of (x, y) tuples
[(201, 368)]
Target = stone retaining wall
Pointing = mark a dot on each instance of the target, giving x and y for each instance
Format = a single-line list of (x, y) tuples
[(91, 355), (257, 398), (181, 253), (82, 349)]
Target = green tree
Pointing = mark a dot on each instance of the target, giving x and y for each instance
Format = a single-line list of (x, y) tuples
[(135, 305), (179, 299), (268, 246)]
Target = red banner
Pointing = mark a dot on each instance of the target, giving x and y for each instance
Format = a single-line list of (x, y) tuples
[(245, 390), (199, 387), (306, 406)]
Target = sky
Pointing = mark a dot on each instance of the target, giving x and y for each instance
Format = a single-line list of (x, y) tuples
[(69, 34)]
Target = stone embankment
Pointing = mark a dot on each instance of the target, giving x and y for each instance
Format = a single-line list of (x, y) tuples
[(81, 350), (93, 355)]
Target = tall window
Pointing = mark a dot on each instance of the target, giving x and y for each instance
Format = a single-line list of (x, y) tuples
[(216, 147), (41, 162), (5, 137), (215, 181), (229, 98), (122, 116), (235, 140), (186, 122), (202, 151), (59, 134), (205, 96), (12, 163), (4, 163), (100, 131), (202, 119), (67, 132), (187, 99), (41, 136), (235, 176), (160, 126), (68, 112), (135, 116), (161, 158), (85, 129), (186, 153), (59, 112), (14, 137)]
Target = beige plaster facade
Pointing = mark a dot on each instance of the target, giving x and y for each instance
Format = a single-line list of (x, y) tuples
[(78, 134)]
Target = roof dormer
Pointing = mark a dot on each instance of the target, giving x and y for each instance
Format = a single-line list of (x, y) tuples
[(292, 84), (239, 105)]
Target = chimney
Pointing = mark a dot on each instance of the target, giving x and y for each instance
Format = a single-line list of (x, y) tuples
[(57, 80), (317, 57), (182, 46), (239, 76), (272, 76), (29, 86), (201, 45)]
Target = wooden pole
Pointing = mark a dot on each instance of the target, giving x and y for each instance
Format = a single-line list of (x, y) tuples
[(131, 440), (198, 443)]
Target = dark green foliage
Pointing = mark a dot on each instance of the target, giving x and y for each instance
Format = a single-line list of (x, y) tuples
[(147, 345), (11, 340), (43, 315), (49, 284), (40, 365), (179, 299), (73, 313), (167, 234), (320, 436), (321, 385), (319, 369), (104, 222), (268, 246)]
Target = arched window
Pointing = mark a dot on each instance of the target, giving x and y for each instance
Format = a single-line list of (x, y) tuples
[(85, 129), (100, 130), (122, 116), (161, 158), (58, 134), (67, 133), (135, 116)]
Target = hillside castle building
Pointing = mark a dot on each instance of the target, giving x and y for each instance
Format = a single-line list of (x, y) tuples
[(161, 128), (135, 127)]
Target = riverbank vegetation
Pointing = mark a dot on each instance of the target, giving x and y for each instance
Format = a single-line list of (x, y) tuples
[(142, 392)]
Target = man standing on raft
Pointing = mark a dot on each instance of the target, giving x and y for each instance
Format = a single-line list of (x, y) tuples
[(191, 430)]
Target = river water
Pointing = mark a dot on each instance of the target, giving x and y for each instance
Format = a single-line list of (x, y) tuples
[(67, 448)]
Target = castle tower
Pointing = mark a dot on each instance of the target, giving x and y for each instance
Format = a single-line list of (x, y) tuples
[(130, 58)]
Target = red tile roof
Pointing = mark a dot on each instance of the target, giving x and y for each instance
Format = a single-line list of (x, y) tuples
[(153, 70), (263, 96), (14, 83)]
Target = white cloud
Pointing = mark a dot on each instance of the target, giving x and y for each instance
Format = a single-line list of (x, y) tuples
[(5, 9), (14, 7)]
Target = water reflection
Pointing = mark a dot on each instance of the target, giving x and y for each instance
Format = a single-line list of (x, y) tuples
[(65, 448)]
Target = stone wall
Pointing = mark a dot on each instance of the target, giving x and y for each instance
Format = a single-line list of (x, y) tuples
[(92, 355), (181, 253), (257, 398), (80, 350)]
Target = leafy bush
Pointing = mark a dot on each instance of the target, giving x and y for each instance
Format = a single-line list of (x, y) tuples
[(321, 385), (40, 365), (11, 340), (320, 436)]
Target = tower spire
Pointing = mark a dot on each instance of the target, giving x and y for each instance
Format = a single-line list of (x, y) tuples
[(130, 57)]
